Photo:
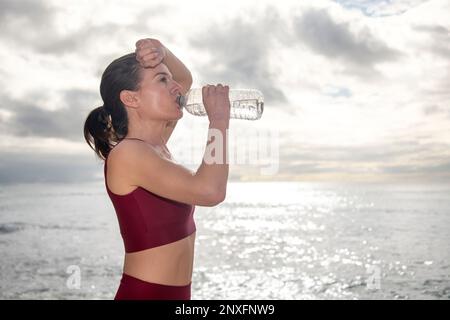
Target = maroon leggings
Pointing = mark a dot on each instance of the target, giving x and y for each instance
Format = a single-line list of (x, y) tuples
[(132, 288)]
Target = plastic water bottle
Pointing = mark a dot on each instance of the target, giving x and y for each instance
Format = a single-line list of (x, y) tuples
[(245, 104)]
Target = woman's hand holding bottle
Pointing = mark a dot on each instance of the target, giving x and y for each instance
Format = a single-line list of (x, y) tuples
[(217, 102)]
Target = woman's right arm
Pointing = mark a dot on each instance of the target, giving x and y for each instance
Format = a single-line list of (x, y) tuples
[(214, 169), (205, 187)]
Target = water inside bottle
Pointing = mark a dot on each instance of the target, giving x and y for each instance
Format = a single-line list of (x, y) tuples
[(197, 109), (246, 109), (245, 104)]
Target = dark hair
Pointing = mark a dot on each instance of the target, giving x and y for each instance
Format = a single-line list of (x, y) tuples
[(108, 124)]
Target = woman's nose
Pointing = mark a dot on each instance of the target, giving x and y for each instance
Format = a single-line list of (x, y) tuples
[(176, 87)]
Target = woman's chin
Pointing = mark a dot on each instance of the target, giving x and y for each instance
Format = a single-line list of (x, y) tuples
[(180, 114), (180, 109)]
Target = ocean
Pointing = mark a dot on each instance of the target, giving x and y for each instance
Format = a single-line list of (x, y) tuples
[(267, 240)]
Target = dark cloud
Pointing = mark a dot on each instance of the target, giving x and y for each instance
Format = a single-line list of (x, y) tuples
[(35, 11), (240, 54), (31, 120), (362, 50), (26, 23)]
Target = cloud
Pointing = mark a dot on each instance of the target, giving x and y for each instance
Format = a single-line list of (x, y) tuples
[(240, 54), (332, 78), (438, 39), (432, 29), (396, 158), (33, 25), (423, 169), (26, 22), (29, 119), (35, 11), (435, 109), (317, 29)]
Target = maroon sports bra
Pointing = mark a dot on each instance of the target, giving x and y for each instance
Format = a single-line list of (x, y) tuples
[(147, 220)]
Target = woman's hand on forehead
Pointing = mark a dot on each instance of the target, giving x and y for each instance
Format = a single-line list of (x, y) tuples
[(150, 52)]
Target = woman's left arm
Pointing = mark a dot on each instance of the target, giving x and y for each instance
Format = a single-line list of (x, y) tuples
[(180, 72), (151, 52), (183, 76)]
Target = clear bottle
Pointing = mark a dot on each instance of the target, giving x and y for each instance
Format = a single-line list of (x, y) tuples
[(245, 104)]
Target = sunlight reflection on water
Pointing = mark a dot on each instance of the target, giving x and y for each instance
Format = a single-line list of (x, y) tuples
[(266, 241)]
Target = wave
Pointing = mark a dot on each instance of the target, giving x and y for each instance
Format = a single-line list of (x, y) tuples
[(11, 227)]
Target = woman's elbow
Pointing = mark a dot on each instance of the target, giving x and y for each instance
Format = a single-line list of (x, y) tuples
[(220, 197), (215, 197)]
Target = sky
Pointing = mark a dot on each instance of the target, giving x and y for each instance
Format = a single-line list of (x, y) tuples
[(353, 90)]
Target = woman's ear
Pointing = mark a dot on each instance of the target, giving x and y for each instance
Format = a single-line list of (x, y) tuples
[(129, 98)]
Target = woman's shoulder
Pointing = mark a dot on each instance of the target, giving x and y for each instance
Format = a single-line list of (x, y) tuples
[(136, 163), (132, 151), (123, 150), (119, 171), (137, 148)]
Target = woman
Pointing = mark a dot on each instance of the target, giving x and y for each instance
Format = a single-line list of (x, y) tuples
[(154, 197)]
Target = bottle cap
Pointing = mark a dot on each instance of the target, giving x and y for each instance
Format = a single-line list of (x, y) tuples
[(181, 100)]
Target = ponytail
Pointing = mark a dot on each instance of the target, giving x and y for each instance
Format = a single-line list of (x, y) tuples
[(105, 126), (98, 131)]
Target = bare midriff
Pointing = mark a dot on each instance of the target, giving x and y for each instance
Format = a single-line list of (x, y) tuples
[(170, 264)]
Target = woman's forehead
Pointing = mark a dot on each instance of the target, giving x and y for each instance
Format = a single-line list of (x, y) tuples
[(150, 73)]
